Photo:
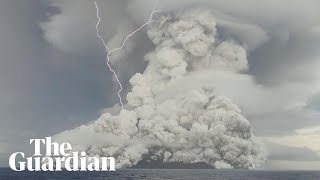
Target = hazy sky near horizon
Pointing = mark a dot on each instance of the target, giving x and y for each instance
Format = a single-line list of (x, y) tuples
[(53, 75)]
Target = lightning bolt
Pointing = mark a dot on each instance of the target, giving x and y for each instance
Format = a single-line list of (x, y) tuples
[(110, 51)]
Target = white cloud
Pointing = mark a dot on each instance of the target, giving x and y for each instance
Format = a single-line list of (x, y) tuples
[(293, 165), (305, 137), (195, 125)]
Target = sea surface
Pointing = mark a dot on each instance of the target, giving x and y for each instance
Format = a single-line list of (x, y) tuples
[(8, 174)]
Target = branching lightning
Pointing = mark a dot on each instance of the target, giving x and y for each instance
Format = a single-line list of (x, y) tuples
[(109, 51)]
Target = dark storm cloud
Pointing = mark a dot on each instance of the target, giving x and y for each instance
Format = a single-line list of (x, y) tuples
[(285, 57), (43, 90)]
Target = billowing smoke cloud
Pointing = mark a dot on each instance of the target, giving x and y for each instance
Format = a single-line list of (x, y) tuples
[(198, 124)]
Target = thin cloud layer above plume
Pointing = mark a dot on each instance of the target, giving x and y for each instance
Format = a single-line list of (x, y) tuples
[(206, 60)]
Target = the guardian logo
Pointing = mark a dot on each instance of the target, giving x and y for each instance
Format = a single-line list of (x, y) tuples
[(58, 156)]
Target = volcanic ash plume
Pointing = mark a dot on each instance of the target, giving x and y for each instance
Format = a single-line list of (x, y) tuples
[(195, 125)]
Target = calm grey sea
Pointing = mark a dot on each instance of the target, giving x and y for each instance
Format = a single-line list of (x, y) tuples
[(7, 174)]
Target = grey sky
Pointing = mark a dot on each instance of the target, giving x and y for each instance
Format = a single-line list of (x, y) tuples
[(53, 75), (43, 90)]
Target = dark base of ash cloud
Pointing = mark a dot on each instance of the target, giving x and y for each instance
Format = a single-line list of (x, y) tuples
[(183, 125), (151, 164)]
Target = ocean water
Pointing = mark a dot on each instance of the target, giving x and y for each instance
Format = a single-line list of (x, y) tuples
[(195, 174)]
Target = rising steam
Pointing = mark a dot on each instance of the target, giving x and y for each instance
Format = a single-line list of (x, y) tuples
[(197, 124)]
